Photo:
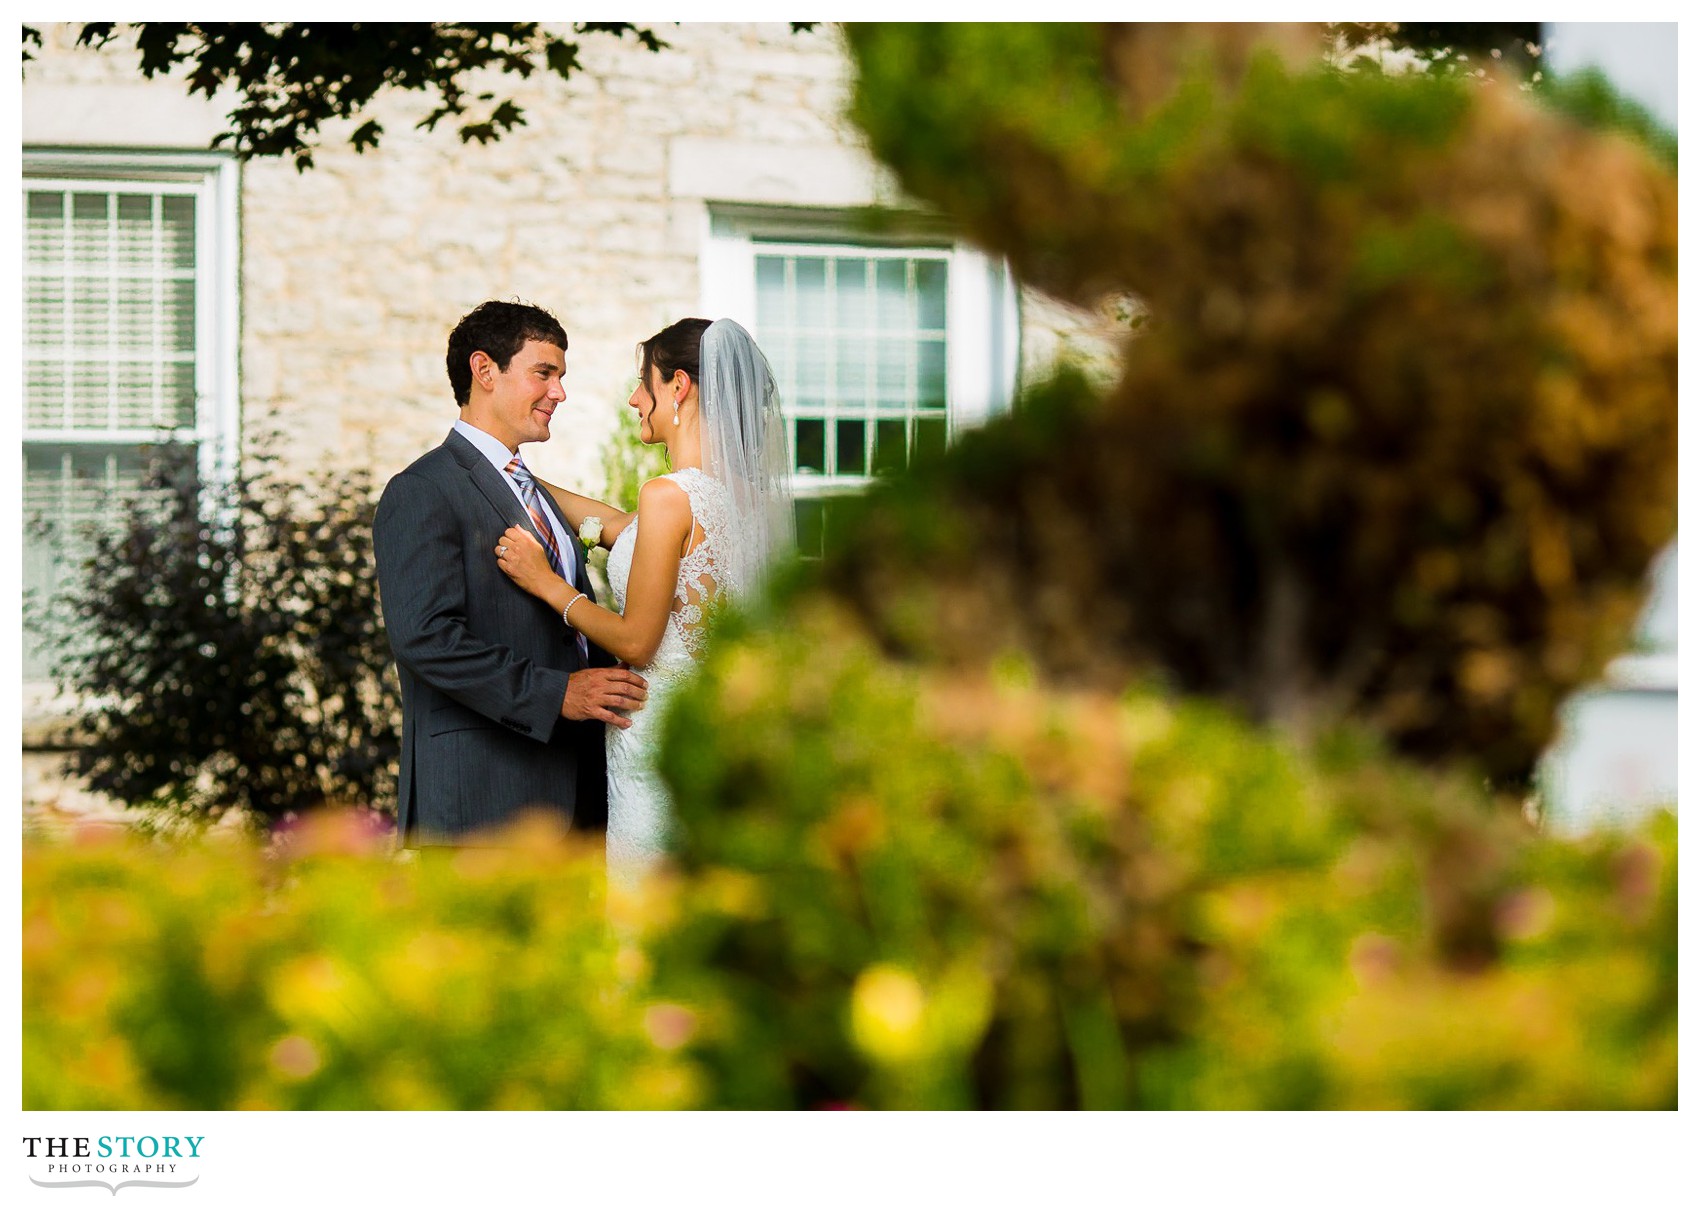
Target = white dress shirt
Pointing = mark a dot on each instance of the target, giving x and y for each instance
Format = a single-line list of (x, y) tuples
[(499, 455)]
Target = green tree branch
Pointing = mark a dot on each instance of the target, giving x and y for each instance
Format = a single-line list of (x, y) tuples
[(290, 78)]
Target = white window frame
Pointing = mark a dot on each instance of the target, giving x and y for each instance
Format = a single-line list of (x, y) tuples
[(982, 316), (213, 180)]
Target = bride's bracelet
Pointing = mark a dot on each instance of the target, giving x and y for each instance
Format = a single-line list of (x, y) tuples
[(568, 607)]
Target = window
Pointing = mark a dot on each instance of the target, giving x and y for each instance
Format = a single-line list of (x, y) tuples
[(883, 351), (129, 342)]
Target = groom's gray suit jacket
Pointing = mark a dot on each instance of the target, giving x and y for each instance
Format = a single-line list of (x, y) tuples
[(483, 664)]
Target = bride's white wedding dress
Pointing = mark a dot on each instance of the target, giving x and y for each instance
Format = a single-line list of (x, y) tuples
[(639, 810)]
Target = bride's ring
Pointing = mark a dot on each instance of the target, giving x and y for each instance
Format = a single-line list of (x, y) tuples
[(501, 551)]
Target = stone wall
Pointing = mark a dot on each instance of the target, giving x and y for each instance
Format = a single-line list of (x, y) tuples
[(358, 268), (353, 272)]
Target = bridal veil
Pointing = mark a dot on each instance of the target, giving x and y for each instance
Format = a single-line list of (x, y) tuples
[(743, 446)]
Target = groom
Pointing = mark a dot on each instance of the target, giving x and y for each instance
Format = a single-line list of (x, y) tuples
[(502, 705)]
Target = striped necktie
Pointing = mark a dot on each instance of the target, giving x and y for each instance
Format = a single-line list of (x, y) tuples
[(551, 545), (534, 506)]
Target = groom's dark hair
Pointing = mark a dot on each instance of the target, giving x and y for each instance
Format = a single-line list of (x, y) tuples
[(500, 330)]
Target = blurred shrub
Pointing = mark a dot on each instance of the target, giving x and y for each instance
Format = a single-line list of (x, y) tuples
[(212, 976), (226, 649), (900, 888), (1588, 97), (1399, 445), (893, 889)]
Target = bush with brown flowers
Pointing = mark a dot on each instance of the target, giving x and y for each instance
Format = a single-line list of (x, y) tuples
[(899, 887), (1398, 444)]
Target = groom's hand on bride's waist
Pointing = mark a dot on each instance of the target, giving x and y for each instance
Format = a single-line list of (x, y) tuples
[(600, 694)]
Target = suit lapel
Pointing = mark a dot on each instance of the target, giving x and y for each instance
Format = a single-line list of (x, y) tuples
[(490, 482), (494, 486)]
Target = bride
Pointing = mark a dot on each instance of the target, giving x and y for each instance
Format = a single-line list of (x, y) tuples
[(702, 535)]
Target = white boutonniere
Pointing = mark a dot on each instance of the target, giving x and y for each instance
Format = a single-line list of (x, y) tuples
[(590, 531)]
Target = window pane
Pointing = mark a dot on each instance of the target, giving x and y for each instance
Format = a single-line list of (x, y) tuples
[(44, 228), (177, 316), (781, 351), (811, 444), (770, 294), (891, 451), (44, 311), (91, 318), (852, 369), (44, 394), (811, 292), (812, 385), (930, 375), (66, 489), (133, 327), (852, 452), (90, 237), (135, 403), (893, 291), (135, 232), (929, 437), (177, 232), (177, 394), (91, 394), (852, 293), (930, 279), (891, 380)]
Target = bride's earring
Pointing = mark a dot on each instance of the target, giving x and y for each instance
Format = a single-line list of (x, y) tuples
[(675, 410)]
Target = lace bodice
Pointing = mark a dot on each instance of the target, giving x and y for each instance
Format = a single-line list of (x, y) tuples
[(705, 573), (639, 813)]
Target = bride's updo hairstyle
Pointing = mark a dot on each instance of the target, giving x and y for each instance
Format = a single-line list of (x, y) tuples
[(743, 435), (676, 347)]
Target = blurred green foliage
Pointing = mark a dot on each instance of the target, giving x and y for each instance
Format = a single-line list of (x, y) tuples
[(1398, 444), (213, 975), (902, 888), (905, 891), (1588, 97)]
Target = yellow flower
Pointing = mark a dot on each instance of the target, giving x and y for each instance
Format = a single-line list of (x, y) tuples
[(887, 1008)]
